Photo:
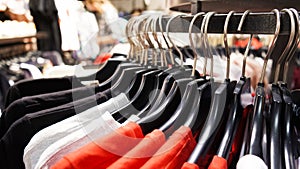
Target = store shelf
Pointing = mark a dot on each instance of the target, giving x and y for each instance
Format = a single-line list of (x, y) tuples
[(24, 39)]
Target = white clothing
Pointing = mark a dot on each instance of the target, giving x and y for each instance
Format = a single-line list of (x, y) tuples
[(44, 138), (250, 162)]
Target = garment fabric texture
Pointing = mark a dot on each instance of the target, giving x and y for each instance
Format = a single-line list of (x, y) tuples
[(32, 104), (103, 152), (44, 138), (40, 86), (174, 152), (12, 144), (218, 163), (142, 152), (93, 130), (187, 165)]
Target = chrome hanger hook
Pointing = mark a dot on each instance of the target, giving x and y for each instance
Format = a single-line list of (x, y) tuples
[(248, 44), (192, 42), (272, 45), (226, 42), (165, 39), (208, 49), (170, 39), (295, 47), (288, 47), (154, 34)]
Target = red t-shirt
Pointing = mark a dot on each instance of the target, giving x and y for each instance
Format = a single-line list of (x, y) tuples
[(187, 165), (218, 163), (141, 153), (174, 152), (103, 152)]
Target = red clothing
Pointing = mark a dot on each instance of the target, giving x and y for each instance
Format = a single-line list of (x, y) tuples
[(103, 152), (189, 166), (218, 163), (174, 152), (204, 162), (238, 140), (102, 58), (296, 78), (141, 153)]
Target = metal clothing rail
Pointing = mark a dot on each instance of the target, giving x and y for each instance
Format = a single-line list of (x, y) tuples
[(255, 23), (224, 6)]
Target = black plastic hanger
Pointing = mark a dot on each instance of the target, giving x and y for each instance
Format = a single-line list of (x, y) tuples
[(164, 111), (276, 106), (105, 72), (216, 113), (287, 132), (141, 88), (176, 72), (192, 96), (236, 111), (255, 147)]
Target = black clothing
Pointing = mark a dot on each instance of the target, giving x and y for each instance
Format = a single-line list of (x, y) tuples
[(45, 17), (4, 86), (39, 86), (31, 104), (13, 143)]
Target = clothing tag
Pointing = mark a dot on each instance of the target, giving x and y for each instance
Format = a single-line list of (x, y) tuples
[(90, 83)]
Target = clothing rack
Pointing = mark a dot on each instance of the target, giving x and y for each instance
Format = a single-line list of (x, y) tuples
[(196, 6), (255, 23)]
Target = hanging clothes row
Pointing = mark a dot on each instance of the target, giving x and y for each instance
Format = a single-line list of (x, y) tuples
[(152, 111)]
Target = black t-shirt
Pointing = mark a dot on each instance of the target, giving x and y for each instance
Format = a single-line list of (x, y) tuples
[(31, 104), (4, 86), (12, 144), (39, 86)]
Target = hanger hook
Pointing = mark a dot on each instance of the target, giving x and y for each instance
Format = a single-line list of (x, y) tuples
[(135, 35), (149, 28), (144, 46), (146, 38), (226, 42), (204, 30), (154, 34), (170, 39), (292, 52), (288, 47), (128, 38), (247, 12), (272, 45), (192, 42), (129, 28), (165, 39)]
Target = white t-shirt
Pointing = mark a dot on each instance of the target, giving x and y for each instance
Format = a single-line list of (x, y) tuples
[(251, 162), (44, 138), (94, 130)]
